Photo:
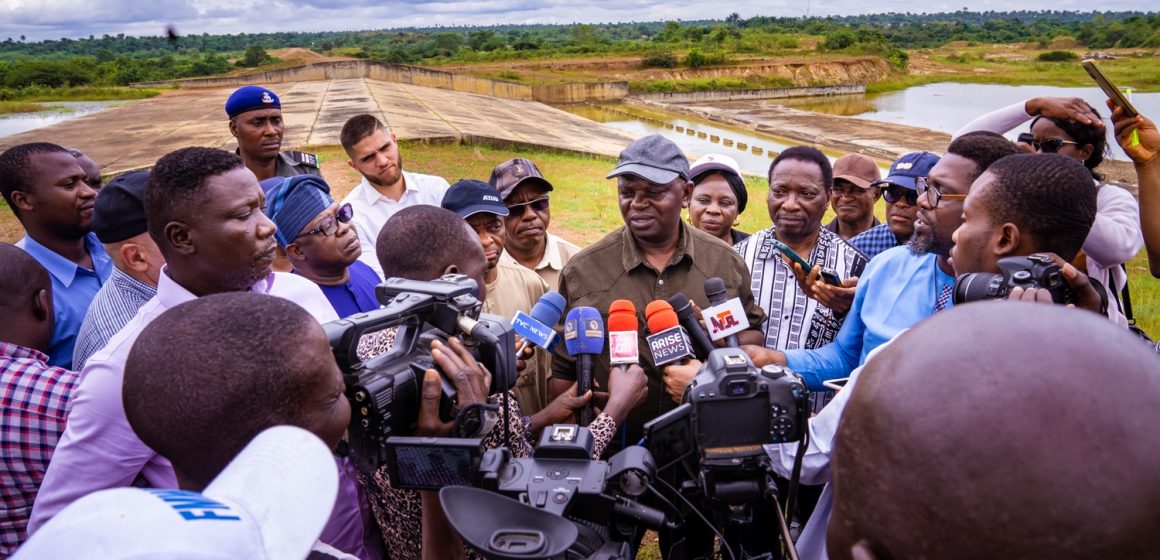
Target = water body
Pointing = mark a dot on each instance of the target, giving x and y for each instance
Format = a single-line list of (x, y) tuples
[(948, 106), (57, 111)]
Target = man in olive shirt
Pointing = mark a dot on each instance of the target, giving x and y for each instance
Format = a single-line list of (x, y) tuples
[(654, 256)]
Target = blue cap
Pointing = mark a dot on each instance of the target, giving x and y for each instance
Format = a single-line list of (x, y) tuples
[(909, 167), (468, 196), (294, 203), (251, 98)]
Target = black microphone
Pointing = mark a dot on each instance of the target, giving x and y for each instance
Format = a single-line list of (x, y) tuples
[(715, 291), (702, 346)]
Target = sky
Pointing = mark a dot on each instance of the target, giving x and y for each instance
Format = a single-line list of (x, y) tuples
[(53, 19)]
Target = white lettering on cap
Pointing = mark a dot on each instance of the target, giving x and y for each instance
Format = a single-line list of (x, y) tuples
[(904, 165), (490, 198)]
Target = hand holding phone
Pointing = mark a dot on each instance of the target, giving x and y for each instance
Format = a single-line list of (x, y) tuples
[(1109, 88), (828, 276)]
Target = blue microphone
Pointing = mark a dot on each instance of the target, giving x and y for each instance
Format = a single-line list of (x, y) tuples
[(584, 338), (539, 327)]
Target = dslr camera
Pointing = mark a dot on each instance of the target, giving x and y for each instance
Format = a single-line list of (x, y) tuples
[(558, 504), (384, 390), (715, 438), (1033, 271)]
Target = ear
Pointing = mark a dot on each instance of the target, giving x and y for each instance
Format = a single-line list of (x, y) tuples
[(21, 202), (42, 305), (181, 238), (1086, 151), (687, 194), (350, 162), (294, 252), (451, 269), (1008, 240), (234, 128)]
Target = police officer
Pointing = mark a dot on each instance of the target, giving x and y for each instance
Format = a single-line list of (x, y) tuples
[(256, 122)]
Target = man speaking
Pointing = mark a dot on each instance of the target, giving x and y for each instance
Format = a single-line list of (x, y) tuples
[(654, 256)]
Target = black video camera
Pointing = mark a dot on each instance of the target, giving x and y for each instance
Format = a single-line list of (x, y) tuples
[(558, 502), (384, 390), (714, 439), (1033, 271)]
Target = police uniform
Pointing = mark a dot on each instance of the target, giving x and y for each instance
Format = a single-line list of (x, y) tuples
[(290, 163)]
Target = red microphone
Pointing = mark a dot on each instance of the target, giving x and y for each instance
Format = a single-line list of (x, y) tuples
[(668, 342), (622, 334)]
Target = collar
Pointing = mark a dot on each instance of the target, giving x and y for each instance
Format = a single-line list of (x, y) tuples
[(64, 270), (372, 195), (125, 282), (18, 352), (552, 258), (171, 294), (633, 257)]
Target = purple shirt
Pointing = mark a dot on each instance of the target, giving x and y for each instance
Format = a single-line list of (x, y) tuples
[(99, 449)]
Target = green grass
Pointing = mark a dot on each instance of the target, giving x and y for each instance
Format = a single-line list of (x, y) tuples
[(10, 107), (42, 94)]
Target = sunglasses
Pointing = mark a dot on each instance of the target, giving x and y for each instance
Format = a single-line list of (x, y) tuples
[(1051, 145), (894, 193), (538, 205), (329, 224)]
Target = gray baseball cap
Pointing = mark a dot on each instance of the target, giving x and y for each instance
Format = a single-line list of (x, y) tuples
[(654, 158)]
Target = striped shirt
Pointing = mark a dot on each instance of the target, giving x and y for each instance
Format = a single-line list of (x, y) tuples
[(875, 240), (116, 302), (794, 319), (36, 400)]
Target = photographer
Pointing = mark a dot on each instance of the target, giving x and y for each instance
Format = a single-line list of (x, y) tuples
[(426, 243), (1013, 200)]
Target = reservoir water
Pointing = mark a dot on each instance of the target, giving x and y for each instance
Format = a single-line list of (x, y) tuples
[(55, 112)]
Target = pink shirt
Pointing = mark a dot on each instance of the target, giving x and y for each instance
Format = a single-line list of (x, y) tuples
[(99, 450)]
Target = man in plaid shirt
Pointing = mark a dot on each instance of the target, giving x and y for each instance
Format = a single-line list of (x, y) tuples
[(36, 396)]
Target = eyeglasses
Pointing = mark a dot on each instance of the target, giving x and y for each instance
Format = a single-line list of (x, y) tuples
[(1051, 145), (538, 205), (894, 193), (932, 193), (329, 224)]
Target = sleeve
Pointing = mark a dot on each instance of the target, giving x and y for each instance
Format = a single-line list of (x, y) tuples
[(98, 449), (837, 358), (603, 429), (1115, 236), (817, 453), (521, 437), (1000, 120)]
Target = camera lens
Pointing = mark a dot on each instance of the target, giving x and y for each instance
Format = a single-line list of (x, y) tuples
[(977, 286)]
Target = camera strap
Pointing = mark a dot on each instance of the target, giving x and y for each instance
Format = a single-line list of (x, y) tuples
[(476, 420)]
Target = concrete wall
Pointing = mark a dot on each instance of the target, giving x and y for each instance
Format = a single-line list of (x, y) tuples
[(742, 94), (413, 75)]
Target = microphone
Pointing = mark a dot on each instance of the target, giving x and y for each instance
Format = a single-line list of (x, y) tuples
[(538, 327), (725, 317), (622, 336), (668, 343), (701, 343), (584, 338)]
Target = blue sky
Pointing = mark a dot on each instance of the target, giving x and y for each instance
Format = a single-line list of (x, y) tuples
[(52, 19)]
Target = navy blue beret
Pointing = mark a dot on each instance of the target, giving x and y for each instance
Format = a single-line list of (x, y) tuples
[(251, 98)]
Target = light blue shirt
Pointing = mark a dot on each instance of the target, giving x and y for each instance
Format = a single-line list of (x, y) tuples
[(116, 303), (897, 290), (73, 289)]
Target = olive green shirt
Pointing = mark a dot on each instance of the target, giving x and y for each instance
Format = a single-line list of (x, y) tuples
[(615, 268)]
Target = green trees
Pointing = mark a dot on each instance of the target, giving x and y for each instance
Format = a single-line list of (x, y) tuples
[(254, 56)]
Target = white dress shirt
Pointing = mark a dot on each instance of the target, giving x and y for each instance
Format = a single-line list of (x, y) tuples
[(372, 209)]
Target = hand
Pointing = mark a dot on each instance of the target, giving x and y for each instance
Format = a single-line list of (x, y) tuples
[(761, 356), (470, 379), (523, 358), (677, 377), (1148, 147), (1086, 296), (1068, 108), (562, 409), (1027, 148), (626, 389), (837, 298)]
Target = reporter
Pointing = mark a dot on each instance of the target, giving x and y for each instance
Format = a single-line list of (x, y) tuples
[(1144, 151), (1071, 127)]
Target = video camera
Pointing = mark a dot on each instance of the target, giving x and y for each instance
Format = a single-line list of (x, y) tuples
[(714, 440), (384, 390), (1033, 271), (560, 503)]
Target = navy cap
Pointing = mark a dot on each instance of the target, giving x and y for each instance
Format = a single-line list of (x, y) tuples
[(909, 167), (251, 98), (119, 210), (294, 203), (654, 158), (468, 196)]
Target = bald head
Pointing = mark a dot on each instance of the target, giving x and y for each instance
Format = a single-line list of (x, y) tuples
[(25, 299), (1001, 430)]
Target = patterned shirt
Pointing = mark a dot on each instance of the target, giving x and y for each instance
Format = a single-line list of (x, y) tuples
[(116, 302), (36, 401), (875, 240)]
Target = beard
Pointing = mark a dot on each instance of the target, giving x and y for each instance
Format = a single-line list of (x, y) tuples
[(391, 179), (921, 243)]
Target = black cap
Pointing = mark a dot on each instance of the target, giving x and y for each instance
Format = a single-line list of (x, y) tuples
[(468, 196), (119, 211)]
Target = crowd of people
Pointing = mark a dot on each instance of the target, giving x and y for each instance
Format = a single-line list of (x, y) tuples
[(163, 328)]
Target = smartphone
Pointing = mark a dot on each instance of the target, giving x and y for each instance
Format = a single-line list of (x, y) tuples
[(836, 384), (1109, 88), (828, 276)]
